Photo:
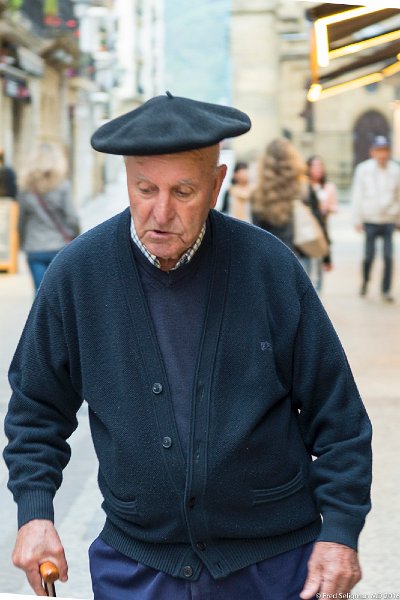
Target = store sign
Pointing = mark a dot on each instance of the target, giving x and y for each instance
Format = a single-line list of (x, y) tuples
[(30, 62)]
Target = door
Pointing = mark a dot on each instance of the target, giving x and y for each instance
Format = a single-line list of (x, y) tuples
[(369, 125)]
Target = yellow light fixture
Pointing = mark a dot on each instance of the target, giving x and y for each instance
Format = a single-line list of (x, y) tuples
[(322, 43), (322, 38), (346, 15), (344, 87), (391, 69), (364, 44), (314, 93)]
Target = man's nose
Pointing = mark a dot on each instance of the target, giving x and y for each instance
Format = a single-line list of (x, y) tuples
[(164, 209)]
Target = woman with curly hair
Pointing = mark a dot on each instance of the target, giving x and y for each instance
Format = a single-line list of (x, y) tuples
[(281, 181), (48, 220)]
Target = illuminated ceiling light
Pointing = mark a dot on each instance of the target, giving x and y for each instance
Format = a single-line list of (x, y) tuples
[(322, 38), (314, 93), (391, 69), (365, 44), (348, 85), (322, 44), (348, 14)]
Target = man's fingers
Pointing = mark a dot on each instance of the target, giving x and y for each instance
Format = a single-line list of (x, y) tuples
[(35, 581), (313, 581), (340, 581), (332, 569), (38, 542), (311, 587), (62, 565)]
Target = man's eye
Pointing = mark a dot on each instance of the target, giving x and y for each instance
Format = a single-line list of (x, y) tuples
[(183, 193), (145, 190)]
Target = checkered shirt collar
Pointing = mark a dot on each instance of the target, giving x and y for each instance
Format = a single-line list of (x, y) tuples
[(184, 259)]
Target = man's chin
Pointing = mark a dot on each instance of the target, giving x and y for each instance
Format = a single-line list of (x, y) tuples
[(163, 252)]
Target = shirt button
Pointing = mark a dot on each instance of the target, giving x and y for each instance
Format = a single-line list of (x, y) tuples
[(187, 571), (167, 442), (201, 545), (157, 388)]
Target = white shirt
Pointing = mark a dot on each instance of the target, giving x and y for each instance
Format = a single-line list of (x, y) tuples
[(376, 193)]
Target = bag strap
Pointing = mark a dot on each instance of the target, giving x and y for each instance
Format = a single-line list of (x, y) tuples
[(67, 237)]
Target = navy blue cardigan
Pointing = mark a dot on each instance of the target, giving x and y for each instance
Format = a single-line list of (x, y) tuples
[(272, 390)]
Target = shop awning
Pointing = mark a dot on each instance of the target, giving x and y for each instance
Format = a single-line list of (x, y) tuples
[(352, 46)]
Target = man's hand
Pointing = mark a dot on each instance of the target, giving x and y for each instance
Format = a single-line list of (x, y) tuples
[(359, 228), (332, 568), (37, 542)]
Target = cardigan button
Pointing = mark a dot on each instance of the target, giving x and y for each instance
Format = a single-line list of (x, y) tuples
[(187, 571), (167, 442), (201, 545), (157, 388)]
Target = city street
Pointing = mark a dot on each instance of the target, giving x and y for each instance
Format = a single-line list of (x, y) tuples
[(370, 333)]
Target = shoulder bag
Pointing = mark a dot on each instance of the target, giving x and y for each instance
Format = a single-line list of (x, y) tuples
[(309, 236)]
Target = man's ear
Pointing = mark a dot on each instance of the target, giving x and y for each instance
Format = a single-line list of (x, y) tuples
[(219, 178)]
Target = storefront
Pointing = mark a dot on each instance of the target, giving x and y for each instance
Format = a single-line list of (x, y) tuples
[(355, 47)]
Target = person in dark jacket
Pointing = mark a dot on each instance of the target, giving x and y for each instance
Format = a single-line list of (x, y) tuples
[(8, 180), (213, 377)]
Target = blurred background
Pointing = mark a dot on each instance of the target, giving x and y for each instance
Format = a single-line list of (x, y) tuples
[(326, 76), (67, 66)]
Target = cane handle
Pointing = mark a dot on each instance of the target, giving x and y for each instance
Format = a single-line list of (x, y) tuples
[(49, 572)]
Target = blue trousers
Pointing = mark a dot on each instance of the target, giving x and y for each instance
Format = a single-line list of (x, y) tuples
[(38, 263), (117, 577), (372, 232)]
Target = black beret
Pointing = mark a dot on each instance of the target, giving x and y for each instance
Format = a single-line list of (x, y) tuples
[(168, 124)]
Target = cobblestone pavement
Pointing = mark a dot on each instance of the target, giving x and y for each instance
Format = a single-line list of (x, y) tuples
[(370, 332)]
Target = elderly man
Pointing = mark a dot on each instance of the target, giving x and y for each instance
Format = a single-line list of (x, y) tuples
[(376, 207), (213, 378)]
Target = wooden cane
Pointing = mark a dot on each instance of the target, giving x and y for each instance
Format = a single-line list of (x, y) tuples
[(49, 574)]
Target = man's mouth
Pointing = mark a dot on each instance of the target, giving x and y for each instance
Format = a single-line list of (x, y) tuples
[(160, 234)]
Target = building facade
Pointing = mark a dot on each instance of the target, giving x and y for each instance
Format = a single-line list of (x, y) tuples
[(66, 72), (271, 74), (33, 70), (122, 43)]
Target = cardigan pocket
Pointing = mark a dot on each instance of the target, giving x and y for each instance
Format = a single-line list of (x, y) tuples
[(260, 496), (125, 509)]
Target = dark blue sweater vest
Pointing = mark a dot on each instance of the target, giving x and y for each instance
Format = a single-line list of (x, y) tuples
[(177, 301), (272, 389)]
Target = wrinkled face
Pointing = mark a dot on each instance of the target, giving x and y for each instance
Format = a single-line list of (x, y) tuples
[(381, 155), (170, 197), (316, 170)]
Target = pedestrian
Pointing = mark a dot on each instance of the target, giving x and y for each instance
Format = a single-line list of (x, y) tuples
[(47, 218), (8, 180), (376, 208), (238, 194), (213, 377), (322, 198), (281, 180)]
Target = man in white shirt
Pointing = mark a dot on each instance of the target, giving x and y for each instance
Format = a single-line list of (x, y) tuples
[(376, 207)]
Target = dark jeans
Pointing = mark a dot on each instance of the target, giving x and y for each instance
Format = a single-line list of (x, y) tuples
[(372, 232), (115, 577), (38, 263)]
